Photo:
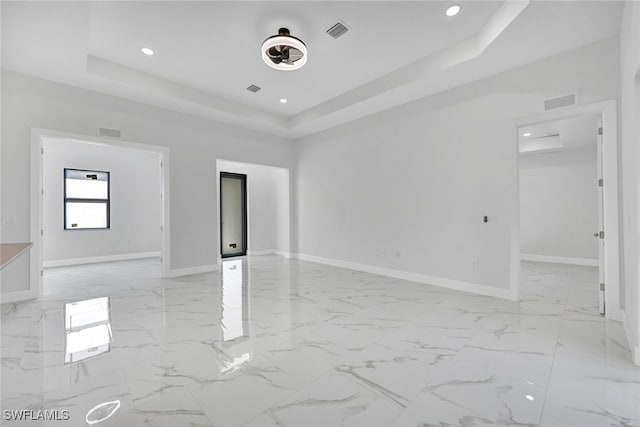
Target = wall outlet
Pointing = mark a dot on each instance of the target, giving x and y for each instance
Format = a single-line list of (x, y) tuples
[(475, 264)]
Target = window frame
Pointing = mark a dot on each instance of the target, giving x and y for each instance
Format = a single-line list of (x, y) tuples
[(66, 199)]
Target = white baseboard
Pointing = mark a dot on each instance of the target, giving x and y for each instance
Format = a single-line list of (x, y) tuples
[(560, 260), (285, 254), (261, 252), (98, 259), (633, 342), (17, 296), (269, 252), (199, 269), (474, 288)]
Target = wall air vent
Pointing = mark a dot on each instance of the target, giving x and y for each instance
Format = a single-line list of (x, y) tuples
[(561, 101), (254, 88), (338, 30), (109, 133)]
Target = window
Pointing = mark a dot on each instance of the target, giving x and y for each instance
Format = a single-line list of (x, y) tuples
[(86, 199)]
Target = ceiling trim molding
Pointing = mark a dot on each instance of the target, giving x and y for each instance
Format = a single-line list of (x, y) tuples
[(155, 85), (463, 51)]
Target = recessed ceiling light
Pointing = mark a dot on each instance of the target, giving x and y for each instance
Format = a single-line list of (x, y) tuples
[(526, 134), (283, 100), (453, 10), (529, 397), (147, 51)]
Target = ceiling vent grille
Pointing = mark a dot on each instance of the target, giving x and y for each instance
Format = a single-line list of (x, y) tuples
[(109, 133), (561, 101), (254, 88), (338, 30)]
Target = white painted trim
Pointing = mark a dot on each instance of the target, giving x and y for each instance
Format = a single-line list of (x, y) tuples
[(474, 288), (633, 345), (17, 296), (36, 220), (560, 260), (608, 110), (199, 269), (285, 254), (262, 252), (269, 252), (99, 259)]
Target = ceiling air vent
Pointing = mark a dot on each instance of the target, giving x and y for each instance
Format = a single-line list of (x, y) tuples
[(561, 101), (338, 30), (253, 88), (109, 133)]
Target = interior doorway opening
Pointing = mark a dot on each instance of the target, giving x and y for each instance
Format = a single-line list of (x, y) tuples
[(561, 197), (608, 113), (69, 173), (264, 208), (100, 203), (233, 214)]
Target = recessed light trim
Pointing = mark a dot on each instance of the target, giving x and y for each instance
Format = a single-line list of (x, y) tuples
[(453, 10), (283, 100), (147, 51)]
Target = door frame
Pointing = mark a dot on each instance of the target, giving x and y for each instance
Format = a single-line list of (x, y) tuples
[(36, 202), (243, 185), (608, 111)]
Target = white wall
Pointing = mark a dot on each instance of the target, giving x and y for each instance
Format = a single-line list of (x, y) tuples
[(135, 201), (630, 156), (194, 146), (399, 190), (267, 205), (559, 204)]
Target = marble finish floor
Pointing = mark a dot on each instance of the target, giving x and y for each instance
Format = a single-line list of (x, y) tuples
[(272, 342)]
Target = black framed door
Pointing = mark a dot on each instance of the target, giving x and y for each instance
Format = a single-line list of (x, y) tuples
[(233, 214)]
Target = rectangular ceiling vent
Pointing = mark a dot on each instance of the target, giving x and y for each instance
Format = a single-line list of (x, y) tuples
[(338, 29), (561, 101), (109, 133), (253, 88)]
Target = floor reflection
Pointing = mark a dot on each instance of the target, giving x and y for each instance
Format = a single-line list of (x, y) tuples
[(87, 329), (234, 297)]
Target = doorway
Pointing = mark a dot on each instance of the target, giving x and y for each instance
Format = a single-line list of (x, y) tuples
[(608, 113), (158, 204), (561, 203), (233, 214)]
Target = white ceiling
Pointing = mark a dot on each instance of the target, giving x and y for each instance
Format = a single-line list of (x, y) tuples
[(207, 53), (568, 134)]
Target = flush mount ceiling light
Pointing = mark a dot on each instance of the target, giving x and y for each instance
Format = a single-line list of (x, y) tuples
[(147, 51), (284, 52), (453, 10)]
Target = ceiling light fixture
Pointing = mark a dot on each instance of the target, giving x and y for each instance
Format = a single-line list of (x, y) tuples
[(284, 52), (526, 134), (283, 100), (147, 51), (453, 10)]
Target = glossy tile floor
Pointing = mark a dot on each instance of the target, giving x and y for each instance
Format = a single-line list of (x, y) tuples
[(273, 342)]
